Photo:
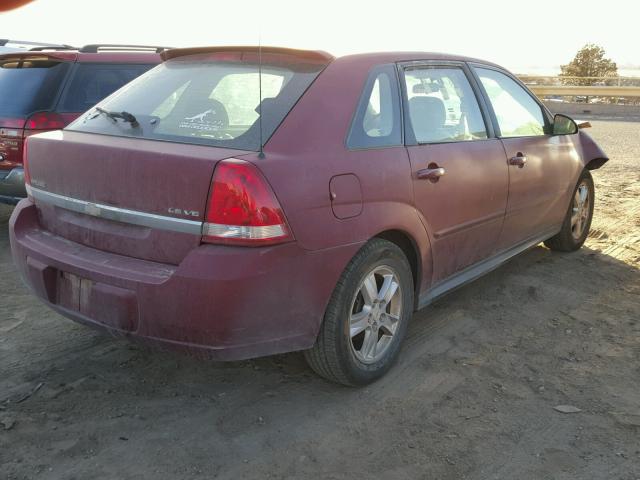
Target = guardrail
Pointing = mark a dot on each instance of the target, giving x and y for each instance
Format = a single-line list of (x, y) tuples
[(583, 86), (584, 81), (587, 91)]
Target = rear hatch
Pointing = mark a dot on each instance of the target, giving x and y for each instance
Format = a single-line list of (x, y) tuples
[(151, 147), (142, 176), (29, 84)]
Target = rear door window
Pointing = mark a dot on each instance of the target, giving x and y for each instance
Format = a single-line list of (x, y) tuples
[(200, 99), (93, 82), (29, 84), (442, 105)]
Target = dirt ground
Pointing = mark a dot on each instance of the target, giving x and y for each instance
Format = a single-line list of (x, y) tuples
[(472, 396)]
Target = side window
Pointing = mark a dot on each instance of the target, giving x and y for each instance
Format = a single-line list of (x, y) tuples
[(442, 106), (377, 119), (92, 82), (518, 114)]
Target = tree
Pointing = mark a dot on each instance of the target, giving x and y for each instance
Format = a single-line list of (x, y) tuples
[(588, 62)]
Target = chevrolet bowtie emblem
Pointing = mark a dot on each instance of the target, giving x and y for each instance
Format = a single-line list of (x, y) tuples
[(92, 209)]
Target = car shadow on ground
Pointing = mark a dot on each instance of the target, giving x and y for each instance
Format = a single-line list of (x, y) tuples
[(537, 283), (488, 361)]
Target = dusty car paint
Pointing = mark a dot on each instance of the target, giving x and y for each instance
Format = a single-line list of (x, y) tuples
[(236, 302)]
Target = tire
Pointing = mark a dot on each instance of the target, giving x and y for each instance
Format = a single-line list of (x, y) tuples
[(360, 336), (569, 238)]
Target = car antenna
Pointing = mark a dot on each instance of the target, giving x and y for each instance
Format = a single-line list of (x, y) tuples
[(261, 153)]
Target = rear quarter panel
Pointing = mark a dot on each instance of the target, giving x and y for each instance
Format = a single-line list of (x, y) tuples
[(309, 149)]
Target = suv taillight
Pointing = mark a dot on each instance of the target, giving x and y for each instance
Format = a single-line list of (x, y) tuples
[(45, 121), (242, 208), (25, 163)]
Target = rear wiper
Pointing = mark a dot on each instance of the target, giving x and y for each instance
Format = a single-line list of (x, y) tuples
[(126, 116)]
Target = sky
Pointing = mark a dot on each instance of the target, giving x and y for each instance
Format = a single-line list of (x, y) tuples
[(525, 37)]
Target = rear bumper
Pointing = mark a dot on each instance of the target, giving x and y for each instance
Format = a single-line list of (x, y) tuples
[(228, 303), (12, 188)]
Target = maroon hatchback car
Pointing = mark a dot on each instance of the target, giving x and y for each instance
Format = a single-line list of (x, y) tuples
[(238, 203)]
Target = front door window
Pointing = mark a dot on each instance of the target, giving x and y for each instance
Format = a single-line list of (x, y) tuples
[(518, 114)]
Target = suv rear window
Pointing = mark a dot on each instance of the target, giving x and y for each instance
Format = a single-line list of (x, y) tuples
[(29, 85), (91, 82), (203, 99)]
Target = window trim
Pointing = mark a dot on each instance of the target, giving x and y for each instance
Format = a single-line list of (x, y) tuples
[(409, 135), (365, 94), (548, 117)]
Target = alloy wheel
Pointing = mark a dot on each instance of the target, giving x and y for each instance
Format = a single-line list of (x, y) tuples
[(580, 210), (375, 314)]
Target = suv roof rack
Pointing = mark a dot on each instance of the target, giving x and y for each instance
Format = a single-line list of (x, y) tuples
[(95, 48)]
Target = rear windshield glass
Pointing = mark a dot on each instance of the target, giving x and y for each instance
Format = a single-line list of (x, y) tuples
[(204, 100), (92, 82), (29, 85)]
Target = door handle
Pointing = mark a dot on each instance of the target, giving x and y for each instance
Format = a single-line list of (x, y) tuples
[(519, 160), (432, 174)]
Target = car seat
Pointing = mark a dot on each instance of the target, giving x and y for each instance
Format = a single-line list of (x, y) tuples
[(428, 115)]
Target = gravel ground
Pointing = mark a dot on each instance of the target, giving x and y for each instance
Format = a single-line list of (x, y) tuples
[(473, 395)]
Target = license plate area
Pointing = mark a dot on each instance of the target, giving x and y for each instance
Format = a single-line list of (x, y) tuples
[(100, 303), (111, 306), (69, 290)]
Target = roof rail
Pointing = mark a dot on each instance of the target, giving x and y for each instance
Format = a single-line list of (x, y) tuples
[(53, 47), (115, 47), (5, 41)]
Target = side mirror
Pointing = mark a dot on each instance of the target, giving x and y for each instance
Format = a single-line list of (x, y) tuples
[(563, 125)]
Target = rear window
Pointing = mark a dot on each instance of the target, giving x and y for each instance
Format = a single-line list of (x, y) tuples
[(93, 82), (29, 85), (205, 100)]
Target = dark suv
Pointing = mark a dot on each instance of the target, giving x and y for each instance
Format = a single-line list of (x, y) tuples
[(47, 87), (11, 46)]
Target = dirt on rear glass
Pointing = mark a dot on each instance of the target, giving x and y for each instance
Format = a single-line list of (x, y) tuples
[(532, 372)]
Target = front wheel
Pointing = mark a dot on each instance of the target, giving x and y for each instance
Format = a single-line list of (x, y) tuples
[(577, 222), (366, 318)]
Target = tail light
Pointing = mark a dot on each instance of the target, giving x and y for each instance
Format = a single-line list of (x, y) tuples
[(242, 208), (37, 123), (45, 121), (25, 162)]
